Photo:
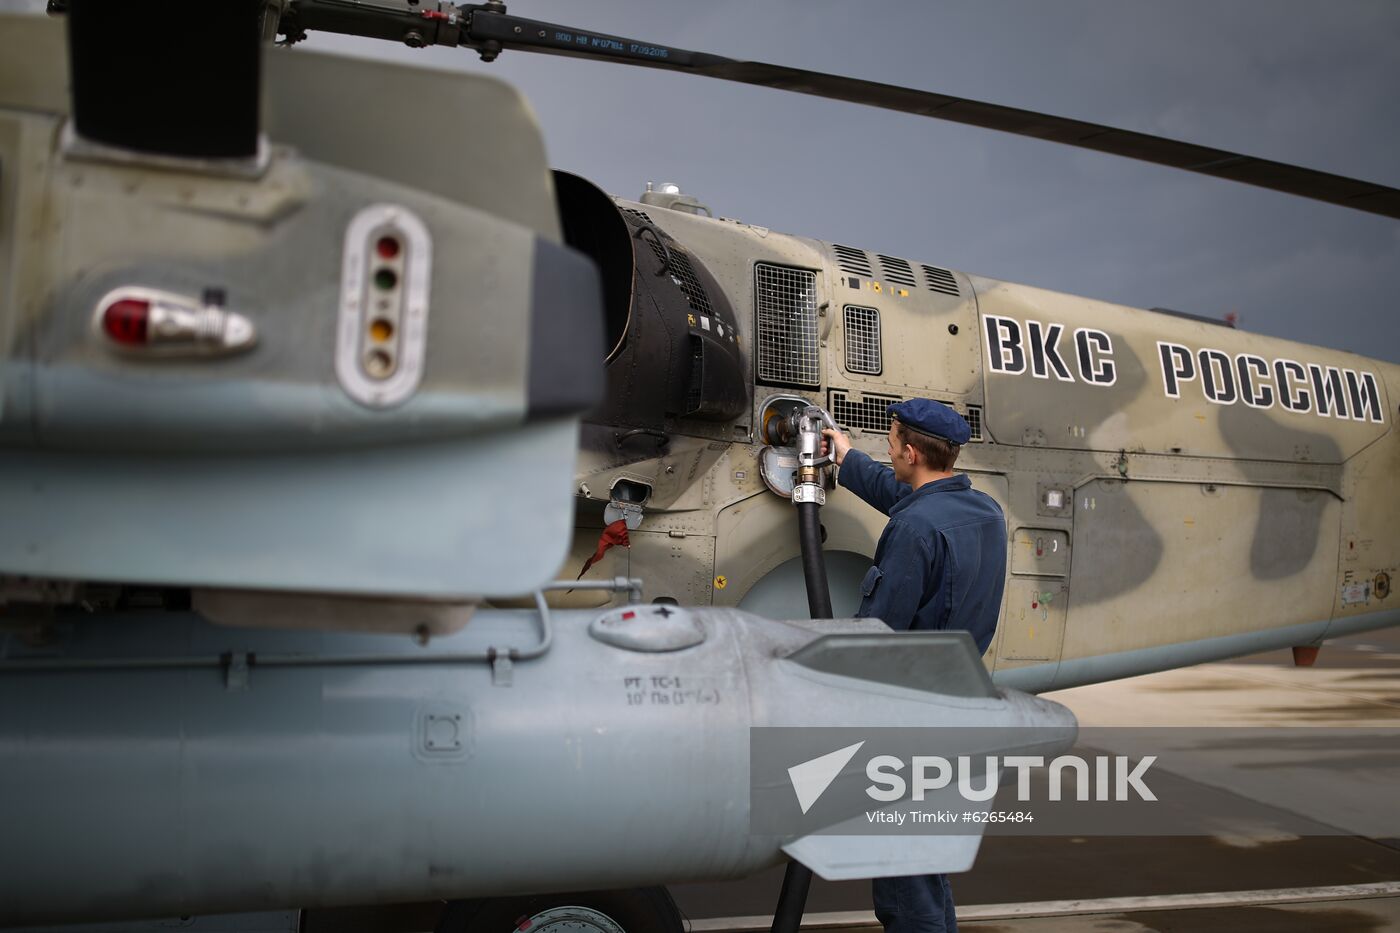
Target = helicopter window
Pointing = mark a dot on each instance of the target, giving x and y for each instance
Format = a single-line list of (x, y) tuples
[(785, 303), (862, 328)]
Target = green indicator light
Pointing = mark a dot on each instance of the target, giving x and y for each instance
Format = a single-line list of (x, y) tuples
[(385, 279)]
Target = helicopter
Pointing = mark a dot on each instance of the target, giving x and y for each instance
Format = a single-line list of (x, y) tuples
[(711, 535), (643, 452), (690, 545)]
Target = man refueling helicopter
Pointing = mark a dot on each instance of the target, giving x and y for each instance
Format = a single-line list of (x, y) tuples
[(940, 564), (287, 395)]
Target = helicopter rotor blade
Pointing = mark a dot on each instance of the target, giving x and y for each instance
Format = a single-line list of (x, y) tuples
[(490, 31)]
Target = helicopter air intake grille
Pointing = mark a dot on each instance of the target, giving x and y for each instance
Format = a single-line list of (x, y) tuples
[(862, 327), (677, 263), (865, 415), (941, 280), (852, 260), (897, 271), (785, 303), (869, 413), (636, 213), (974, 421)]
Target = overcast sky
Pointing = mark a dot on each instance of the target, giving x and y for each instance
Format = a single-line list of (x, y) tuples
[(1313, 83)]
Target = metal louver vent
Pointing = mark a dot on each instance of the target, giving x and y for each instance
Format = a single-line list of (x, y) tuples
[(898, 271), (865, 415), (941, 280), (862, 329), (785, 304), (677, 264), (853, 260)]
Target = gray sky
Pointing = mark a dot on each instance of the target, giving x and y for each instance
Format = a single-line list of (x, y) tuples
[(1312, 83)]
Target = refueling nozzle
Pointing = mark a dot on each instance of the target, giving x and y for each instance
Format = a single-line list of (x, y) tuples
[(792, 429), (806, 426)]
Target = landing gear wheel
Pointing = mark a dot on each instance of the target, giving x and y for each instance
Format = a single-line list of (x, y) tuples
[(637, 910), (570, 920)]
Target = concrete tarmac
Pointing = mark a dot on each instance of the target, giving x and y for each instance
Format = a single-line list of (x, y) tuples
[(1328, 912), (1355, 683)]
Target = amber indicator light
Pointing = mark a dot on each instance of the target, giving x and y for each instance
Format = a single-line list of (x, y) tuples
[(381, 330)]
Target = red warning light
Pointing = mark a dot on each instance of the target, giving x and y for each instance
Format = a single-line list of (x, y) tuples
[(125, 320), (387, 247)]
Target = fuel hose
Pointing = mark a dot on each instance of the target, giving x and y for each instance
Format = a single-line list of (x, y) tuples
[(797, 879)]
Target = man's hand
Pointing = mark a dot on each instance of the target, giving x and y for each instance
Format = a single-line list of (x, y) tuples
[(840, 443)]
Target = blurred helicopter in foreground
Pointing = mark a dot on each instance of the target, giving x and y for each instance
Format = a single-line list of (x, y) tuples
[(285, 395)]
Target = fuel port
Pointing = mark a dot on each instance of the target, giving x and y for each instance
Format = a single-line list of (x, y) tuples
[(778, 418)]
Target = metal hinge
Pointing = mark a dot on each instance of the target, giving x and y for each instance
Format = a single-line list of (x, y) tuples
[(502, 668), (236, 671)]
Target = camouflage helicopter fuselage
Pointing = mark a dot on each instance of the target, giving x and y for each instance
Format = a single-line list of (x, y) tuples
[(1176, 490)]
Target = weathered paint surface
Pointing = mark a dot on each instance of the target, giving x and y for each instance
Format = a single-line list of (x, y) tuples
[(1207, 491)]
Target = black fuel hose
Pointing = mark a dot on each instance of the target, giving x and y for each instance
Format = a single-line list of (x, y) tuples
[(809, 534), (792, 900), (797, 879)]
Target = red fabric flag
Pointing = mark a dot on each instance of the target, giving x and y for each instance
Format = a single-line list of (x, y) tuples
[(616, 533)]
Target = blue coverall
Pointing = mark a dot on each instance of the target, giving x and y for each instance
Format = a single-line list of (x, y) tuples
[(940, 564)]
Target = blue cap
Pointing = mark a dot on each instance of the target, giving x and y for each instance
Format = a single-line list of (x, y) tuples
[(932, 418)]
